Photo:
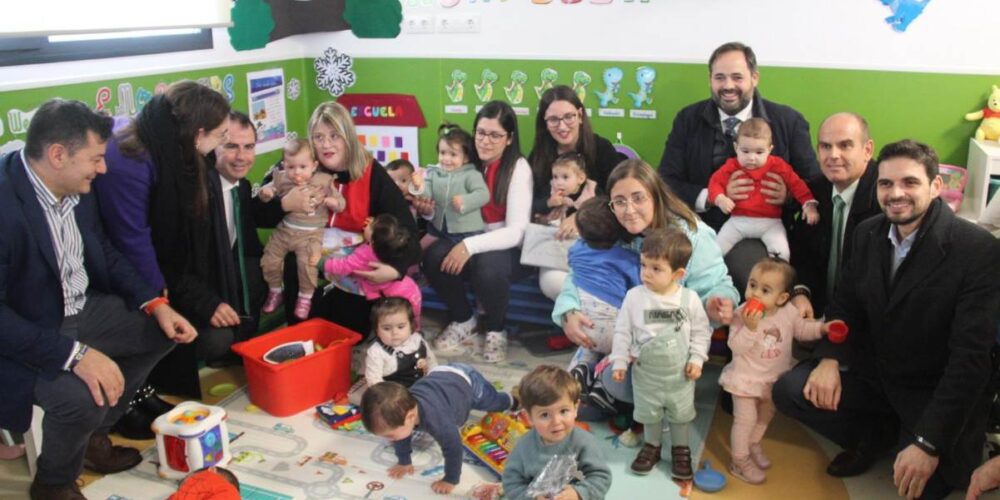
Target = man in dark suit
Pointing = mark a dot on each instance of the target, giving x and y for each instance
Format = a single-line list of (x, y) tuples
[(703, 133), (72, 337), (919, 293), (702, 138), (221, 307), (845, 153), (234, 160)]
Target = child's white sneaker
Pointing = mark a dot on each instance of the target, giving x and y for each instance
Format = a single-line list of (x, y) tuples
[(455, 334), (495, 348)]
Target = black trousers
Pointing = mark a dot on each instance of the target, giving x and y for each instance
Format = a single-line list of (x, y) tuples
[(132, 340), (861, 414), (490, 274)]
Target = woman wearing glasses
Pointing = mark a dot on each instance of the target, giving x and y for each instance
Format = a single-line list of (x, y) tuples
[(486, 260), (368, 191), (642, 202), (562, 126)]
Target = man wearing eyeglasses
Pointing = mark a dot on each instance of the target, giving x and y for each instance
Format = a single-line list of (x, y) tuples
[(703, 133)]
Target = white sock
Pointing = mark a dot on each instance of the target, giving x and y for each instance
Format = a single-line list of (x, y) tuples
[(276, 290), (305, 295)]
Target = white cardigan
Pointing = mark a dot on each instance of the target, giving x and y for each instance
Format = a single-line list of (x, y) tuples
[(509, 232)]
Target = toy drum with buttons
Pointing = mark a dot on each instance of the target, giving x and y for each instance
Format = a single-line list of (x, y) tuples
[(189, 437)]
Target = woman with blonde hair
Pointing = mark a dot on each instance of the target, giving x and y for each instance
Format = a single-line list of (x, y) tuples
[(368, 191)]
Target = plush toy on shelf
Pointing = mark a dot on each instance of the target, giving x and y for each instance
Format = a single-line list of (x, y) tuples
[(989, 128)]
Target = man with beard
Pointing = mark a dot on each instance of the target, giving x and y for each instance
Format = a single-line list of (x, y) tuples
[(703, 133), (919, 293)]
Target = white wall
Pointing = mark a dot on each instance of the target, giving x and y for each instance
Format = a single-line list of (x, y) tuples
[(950, 37)]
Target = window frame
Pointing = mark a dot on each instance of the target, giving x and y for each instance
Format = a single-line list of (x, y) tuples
[(20, 51)]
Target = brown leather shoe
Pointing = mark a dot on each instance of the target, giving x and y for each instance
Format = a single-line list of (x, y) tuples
[(65, 492), (681, 466), (104, 458), (647, 458)]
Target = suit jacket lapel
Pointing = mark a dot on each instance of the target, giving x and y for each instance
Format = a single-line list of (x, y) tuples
[(35, 218), (925, 255)]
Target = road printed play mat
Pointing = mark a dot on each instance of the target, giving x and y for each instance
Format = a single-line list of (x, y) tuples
[(301, 457)]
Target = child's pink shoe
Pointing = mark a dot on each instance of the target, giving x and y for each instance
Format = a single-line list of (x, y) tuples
[(758, 456), (302, 307), (274, 299), (745, 469)]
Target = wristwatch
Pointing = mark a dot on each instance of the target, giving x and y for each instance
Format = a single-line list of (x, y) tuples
[(926, 446)]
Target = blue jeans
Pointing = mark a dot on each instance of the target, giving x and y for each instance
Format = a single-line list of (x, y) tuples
[(484, 396)]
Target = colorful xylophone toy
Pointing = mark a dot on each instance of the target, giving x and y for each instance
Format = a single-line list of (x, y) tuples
[(494, 437)]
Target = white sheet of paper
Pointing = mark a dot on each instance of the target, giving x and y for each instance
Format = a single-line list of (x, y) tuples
[(542, 249)]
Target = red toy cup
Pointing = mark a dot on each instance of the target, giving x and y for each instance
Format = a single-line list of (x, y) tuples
[(837, 332), (753, 306)]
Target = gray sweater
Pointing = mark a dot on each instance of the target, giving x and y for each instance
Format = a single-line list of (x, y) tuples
[(442, 185), (530, 456)]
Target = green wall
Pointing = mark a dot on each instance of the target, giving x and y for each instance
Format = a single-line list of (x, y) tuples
[(926, 106), (296, 111)]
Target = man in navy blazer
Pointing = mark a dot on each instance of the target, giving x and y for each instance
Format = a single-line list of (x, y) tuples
[(73, 339)]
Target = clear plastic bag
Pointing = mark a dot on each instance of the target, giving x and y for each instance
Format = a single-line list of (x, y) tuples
[(557, 474)]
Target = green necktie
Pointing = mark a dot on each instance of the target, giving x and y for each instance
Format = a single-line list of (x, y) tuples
[(235, 193), (835, 245)]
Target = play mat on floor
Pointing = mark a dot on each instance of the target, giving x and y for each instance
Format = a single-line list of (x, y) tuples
[(301, 457)]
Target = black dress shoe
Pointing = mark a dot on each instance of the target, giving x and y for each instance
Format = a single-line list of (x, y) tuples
[(103, 457), (39, 491), (149, 403), (849, 463), (134, 424)]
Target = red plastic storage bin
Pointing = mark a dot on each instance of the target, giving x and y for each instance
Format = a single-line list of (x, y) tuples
[(291, 387)]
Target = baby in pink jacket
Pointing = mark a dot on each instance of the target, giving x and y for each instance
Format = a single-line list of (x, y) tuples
[(385, 241), (760, 337)]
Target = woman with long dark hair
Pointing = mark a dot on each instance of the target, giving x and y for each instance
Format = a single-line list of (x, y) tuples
[(154, 201), (562, 126), (486, 260)]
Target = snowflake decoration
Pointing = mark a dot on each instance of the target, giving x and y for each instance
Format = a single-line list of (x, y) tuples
[(294, 88), (291, 135), (333, 71)]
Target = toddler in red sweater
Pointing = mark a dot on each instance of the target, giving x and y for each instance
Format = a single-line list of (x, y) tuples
[(754, 217)]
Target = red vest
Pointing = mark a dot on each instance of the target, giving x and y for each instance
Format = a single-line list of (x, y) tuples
[(492, 211), (358, 194)]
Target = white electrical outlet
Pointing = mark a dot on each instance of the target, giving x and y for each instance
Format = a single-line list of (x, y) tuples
[(459, 23), (418, 24)]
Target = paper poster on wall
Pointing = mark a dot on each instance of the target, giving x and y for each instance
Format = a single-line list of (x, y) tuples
[(456, 89), (645, 76), (549, 77), (515, 91), (387, 124), (267, 108), (612, 78), (484, 89), (334, 71), (580, 81), (904, 12)]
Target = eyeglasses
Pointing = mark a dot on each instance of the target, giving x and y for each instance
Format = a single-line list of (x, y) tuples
[(494, 137), (323, 139), (620, 204), (569, 119)]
